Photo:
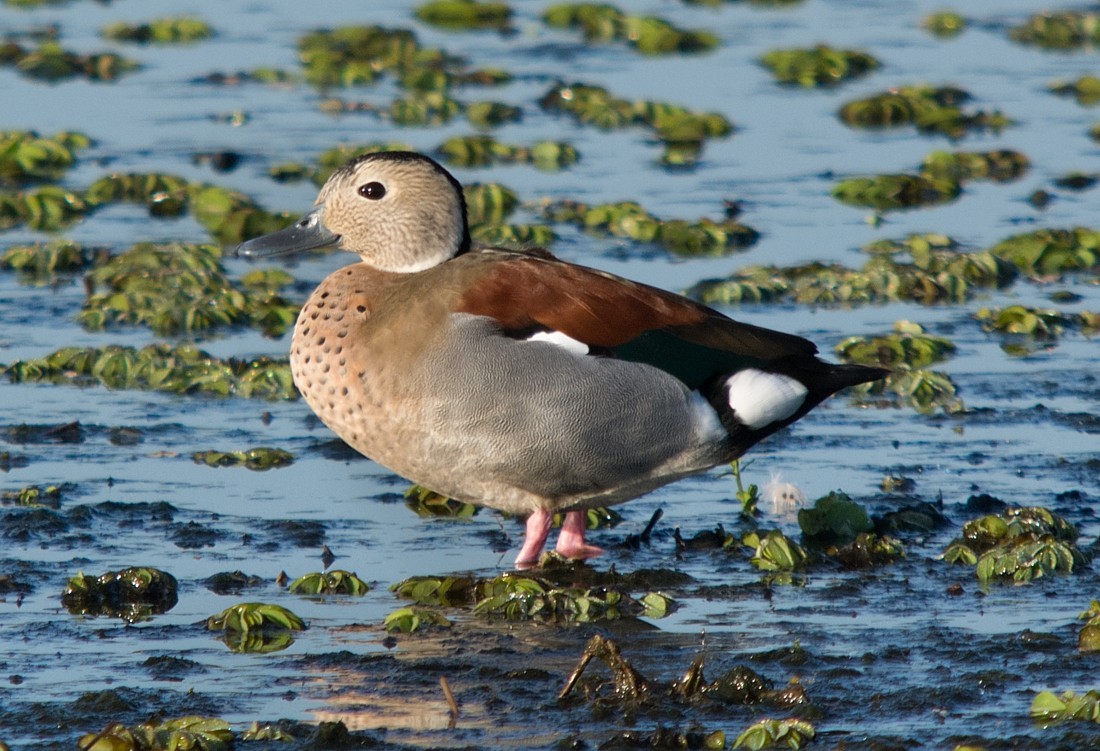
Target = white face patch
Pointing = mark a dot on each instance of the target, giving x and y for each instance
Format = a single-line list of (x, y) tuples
[(567, 343), (759, 399)]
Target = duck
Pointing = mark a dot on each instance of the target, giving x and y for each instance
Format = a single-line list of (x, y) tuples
[(514, 380)]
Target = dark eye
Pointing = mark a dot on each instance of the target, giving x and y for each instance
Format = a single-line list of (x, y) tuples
[(373, 191)]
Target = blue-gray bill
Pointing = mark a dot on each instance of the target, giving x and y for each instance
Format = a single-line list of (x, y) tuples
[(307, 233)]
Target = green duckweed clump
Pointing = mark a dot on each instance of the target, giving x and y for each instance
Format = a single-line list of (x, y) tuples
[(1020, 545), (937, 110), (173, 30), (1045, 253), (42, 263), (51, 62), (818, 66), (647, 34), (256, 627), (628, 219), (158, 367)]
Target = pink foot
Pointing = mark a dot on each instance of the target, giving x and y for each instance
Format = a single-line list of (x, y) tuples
[(571, 542), (538, 527)]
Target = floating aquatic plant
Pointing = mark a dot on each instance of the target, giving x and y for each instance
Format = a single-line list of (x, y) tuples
[(908, 346), (36, 495), (182, 288), (818, 66), (335, 582), (834, 519), (1020, 544), (199, 733), (1052, 252), (27, 157), (515, 597), (256, 626), (790, 734), (255, 459), (51, 62), (867, 550), (464, 14), (428, 503), (649, 35), (132, 594), (1062, 30), (939, 181), (930, 109), (944, 24), (161, 31), (774, 551), (682, 131), (1047, 708), (906, 352), (1088, 638), (482, 151), (48, 209), (1086, 90), (158, 367), (408, 620), (41, 263), (933, 272), (628, 219)]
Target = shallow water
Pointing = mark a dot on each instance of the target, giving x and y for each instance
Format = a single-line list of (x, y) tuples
[(886, 657)]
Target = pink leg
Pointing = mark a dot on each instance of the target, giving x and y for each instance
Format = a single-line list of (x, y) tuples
[(538, 527), (571, 542)]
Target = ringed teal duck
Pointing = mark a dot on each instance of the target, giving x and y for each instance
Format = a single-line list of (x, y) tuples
[(515, 380)]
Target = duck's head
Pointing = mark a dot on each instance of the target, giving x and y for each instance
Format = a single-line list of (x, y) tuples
[(397, 210)]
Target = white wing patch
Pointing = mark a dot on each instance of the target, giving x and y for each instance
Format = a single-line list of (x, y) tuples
[(758, 398), (567, 343)]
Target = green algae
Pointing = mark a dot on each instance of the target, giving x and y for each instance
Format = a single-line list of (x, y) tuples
[(26, 157), (818, 66), (174, 30), (648, 35), (628, 219), (158, 367), (936, 110), (257, 459), (465, 14)]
